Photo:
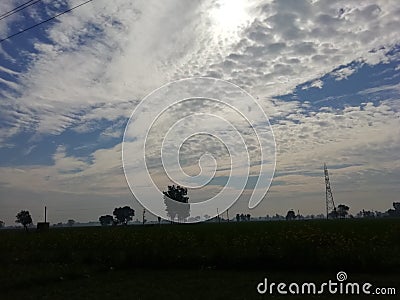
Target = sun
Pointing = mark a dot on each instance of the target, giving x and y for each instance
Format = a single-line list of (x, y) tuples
[(229, 16)]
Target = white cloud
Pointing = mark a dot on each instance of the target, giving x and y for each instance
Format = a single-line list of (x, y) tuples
[(343, 73), (105, 52), (104, 57), (379, 89), (315, 84), (103, 175), (6, 6)]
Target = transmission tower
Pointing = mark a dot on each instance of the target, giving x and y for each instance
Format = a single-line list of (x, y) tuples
[(330, 204)]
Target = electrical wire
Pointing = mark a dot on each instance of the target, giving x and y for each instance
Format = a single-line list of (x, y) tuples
[(45, 21), (18, 8)]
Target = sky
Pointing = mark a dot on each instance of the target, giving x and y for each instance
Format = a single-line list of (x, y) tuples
[(326, 73)]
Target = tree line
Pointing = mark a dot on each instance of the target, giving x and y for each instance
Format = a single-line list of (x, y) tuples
[(342, 212), (123, 215)]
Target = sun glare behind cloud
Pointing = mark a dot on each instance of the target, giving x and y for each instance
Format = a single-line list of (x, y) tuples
[(229, 17)]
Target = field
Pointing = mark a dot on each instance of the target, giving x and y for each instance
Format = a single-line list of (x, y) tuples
[(215, 261)]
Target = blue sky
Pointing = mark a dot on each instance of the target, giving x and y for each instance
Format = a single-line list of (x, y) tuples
[(325, 72)]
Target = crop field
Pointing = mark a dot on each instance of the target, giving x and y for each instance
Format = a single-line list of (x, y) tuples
[(210, 260)]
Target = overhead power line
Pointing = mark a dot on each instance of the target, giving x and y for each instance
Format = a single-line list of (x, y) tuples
[(45, 21), (18, 8)]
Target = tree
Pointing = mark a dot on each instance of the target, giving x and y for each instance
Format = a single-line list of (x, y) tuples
[(290, 215), (396, 211), (176, 202), (278, 217), (237, 217), (368, 214), (248, 217), (2, 224), (342, 211), (106, 220), (333, 214), (123, 214), (24, 218), (360, 214), (177, 193), (70, 222)]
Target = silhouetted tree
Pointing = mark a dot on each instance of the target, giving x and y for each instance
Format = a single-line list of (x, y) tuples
[(70, 222), (106, 220), (248, 217), (123, 214), (24, 218), (278, 217), (175, 199), (237, 217), (368, 214), (342, 211), (290, 215), (396, 206), (159, 220), (333, 214), (177, 193), (2, 224), (396, 211)]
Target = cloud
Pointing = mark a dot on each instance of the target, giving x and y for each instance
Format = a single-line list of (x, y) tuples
[(392, 87), (6, 6), (314, 38), (352, 135), (94, 65), (101, 53), (108, 52), (102, 175), (315, 84), (343, 73)]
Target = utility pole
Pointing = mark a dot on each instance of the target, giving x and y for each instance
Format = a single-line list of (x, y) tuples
[(144, 220), (330, 204)]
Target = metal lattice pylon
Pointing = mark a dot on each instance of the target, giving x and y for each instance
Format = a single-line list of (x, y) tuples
[(330, 204)]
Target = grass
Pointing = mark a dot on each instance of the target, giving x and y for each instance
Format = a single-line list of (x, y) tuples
[(206, 260)]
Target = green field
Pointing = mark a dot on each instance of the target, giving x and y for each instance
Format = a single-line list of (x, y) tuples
[(215, 261)]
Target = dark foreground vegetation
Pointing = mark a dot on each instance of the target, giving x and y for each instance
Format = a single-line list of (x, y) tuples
[(208, 260)]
